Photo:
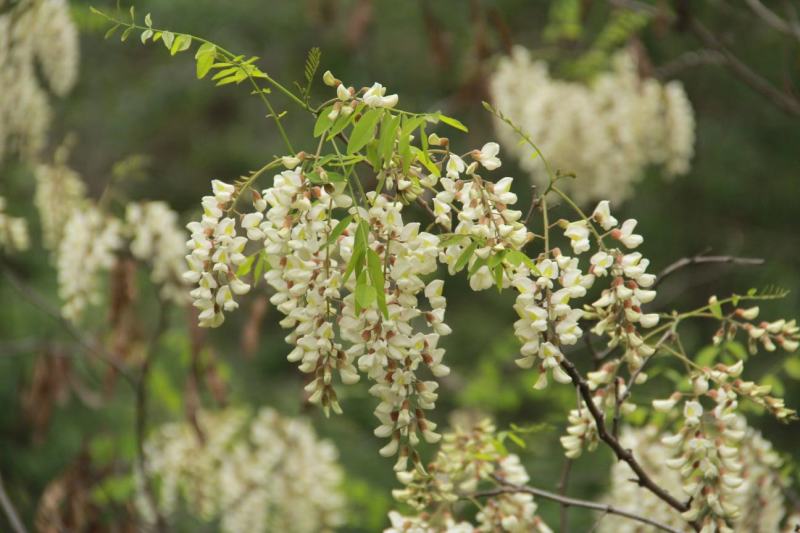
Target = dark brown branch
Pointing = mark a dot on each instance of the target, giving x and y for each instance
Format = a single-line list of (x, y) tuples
[(11, 512), (643, 479), (508, 488), (740, 69), (705, 259)]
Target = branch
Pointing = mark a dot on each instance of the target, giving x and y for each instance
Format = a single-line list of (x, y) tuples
[(40, 302), (508, 488), (688, 60), (10, 510), (772, 19), (563, 517), (622, 454), (704, 259)]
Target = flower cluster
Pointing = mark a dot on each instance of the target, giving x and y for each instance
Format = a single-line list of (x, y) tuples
[(88, 247), (607, 132), (753, 487), (59, 191), (262, 473), (216, 251), (40, 42), (158, 240), (13, 231), (469, 459)]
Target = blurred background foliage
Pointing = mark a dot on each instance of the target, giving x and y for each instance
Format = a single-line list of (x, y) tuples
[(140, 118)]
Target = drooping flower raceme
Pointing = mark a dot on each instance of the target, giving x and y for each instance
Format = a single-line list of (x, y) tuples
[(87, 248), (158, 240), (13, 231), (59, 191), (469, 460), (607, 132), (39, 44), (751, 490), (256, 474), (216, 251)]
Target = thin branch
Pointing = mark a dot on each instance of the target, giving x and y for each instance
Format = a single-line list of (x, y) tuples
[(10, 511), (40, 302), (643, 479), (691, 59), (772, 19), (508, 488), (563, 516), (705, 259)]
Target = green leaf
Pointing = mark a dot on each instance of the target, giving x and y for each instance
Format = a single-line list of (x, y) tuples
[(364, 130), (792, 367), (146, 34), (422, 157), (716, 308), (244, 268), (498, 277), (516, 258), (375, 268), (707, 356), (126, 34), (516, 440), (476, 266), (365, 293), (340, 124), (323, 121), (182, 42), (449, 239), (388, 136), (148, 21), (205, 59), (463, 259), (453, 123), (111, 31), (133, 13), (339, 229), (776, 384), (168, 37)]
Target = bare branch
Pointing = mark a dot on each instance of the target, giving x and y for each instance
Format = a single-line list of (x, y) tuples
[(705, 259), (10, 511), (643, 479), (772, 19), (508, 488), (691, 59)]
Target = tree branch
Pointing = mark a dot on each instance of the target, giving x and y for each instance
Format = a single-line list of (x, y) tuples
[(10, 510), (622, 454), (705, 259), (508, 488)]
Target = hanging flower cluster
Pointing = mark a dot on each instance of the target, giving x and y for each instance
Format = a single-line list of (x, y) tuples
[(39, 43), (607, 132), (158, 240), (255, 474), (91, 239), (469, 460), (59, 191), (740, 490), (216, 251), (13, 231)]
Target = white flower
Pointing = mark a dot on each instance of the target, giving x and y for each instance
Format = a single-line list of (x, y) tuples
[(625, 234), (487, 156), (374, 97), (455, 166), (692, 411), (578, 234), (602, 215)]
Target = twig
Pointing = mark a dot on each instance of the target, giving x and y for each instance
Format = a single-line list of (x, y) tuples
[(41, 303), (508, 488), (688, 60), (563, 517), (705, 259), (10, 510), (622, 454), (772, 19)]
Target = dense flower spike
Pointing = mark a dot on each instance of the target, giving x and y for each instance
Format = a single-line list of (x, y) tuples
[(741, 489), (606, 132), (259, 474), (40, 43), (216, 252), (158, 240), (59, 191), (13, 231), (90, 241), (469, 460)]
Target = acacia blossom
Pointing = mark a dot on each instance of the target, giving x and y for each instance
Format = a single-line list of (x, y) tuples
[(606, 132)]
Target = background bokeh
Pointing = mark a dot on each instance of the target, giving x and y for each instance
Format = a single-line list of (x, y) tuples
[(137, 104)]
